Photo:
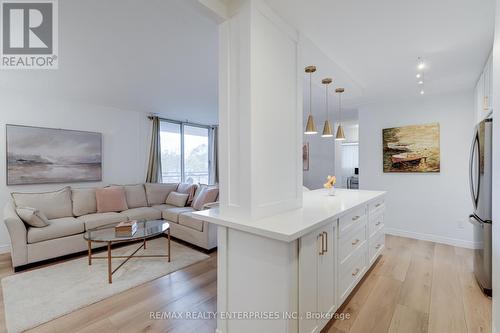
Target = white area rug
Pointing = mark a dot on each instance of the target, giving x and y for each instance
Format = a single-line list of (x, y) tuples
[(35, 297)]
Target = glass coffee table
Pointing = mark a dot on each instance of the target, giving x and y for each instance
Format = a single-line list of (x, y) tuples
[(145, 230)]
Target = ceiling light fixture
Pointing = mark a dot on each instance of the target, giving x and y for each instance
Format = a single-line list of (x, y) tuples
[(421, 64), (420, 82), (422, 92), (310, 127), (327, 128), (419, 76), (340, 130)]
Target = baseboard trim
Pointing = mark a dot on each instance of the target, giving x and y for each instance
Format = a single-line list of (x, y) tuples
[(4, 249), (432, 238)]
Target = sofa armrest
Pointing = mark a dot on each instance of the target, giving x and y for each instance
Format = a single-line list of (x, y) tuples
[(18, 235), (211, 205)]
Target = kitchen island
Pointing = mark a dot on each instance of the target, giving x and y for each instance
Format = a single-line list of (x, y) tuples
[(291, 272)]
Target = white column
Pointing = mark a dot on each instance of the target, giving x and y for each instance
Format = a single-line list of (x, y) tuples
[(260, 113)]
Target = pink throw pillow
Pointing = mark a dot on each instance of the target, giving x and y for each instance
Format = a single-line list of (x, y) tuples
[(207, 195), (111, 199), (189, 189)]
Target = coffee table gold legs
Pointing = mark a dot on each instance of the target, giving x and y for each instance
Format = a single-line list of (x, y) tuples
[(109, 263), (90, 252), (168, 236)]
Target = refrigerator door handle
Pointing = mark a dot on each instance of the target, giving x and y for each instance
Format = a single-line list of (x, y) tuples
[(474, 220), (475, 145)]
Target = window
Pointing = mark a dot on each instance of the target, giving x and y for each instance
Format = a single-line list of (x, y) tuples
[(196, 154), (170, 143), (184, 152)]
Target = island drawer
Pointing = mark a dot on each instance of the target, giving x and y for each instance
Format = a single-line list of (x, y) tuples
[(357, 216), (376, 245), (375, 222), (376, 204), (351, 241), (351, 272)]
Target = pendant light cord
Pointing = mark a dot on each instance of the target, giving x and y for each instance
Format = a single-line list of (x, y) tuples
[(327, 117), (340, 109), (310, 93)]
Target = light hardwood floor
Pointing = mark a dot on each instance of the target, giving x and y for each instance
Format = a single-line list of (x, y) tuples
[(416, 286)]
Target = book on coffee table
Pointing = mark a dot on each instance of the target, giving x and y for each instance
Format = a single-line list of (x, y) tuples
[(126, 228)]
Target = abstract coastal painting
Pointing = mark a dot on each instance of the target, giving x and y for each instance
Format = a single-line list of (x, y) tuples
[(412, 148), (38, 155)]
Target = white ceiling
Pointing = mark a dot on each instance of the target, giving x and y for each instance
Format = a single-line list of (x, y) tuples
[(377, 42), (150, 56), (161, 56)]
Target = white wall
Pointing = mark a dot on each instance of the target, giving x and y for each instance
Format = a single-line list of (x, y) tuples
[(427, 206), (125, 136), (321, 158)]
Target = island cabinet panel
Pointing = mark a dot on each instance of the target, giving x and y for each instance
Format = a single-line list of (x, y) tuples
[(334, 258), (317, 289)]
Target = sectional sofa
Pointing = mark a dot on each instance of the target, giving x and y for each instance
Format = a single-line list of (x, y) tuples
[(72, 211)]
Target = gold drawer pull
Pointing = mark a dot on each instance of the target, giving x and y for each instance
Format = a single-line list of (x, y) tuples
[(355, 218), (378, 246), (355, 272), (378, 223), (355, 242), (322, 249)]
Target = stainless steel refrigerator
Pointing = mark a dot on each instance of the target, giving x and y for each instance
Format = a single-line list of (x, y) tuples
[(480, 170)]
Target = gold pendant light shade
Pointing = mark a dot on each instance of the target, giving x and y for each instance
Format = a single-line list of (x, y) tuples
[(327, 127), (340, 133), (327, 130), (340, 136), (310, 127)]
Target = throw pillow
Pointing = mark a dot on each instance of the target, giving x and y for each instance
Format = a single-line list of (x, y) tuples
[(207, 195), (189, 189), (177, 199), (54, 205), (111, 199), (33, 217)]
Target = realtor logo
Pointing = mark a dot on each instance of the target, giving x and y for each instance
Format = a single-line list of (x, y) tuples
[(29, 34)]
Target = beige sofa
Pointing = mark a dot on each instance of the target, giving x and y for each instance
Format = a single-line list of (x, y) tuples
[(72, 211)]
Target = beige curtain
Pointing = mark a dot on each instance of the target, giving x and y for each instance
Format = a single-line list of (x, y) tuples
[(214, 167), (154, 165)]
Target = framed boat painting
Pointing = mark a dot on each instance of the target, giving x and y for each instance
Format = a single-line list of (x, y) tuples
[(37, 155), (412, 148)]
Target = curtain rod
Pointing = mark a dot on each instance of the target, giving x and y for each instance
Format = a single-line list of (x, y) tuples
[(150, 117)]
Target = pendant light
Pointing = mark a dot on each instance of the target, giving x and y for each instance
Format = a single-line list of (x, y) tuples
[(327, 128), (310, 127), (340, 130)]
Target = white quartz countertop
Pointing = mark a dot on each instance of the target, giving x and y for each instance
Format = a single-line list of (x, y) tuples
[(318, 209)]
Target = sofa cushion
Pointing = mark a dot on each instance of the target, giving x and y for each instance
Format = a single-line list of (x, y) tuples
[(53, 204), (84, 201), (172, 214), (57, 228), (99, 219), (177, 199), (162, 207), (186, 220), (142, 213), (157, 193), (32, 217), (207, 195), (135, 195), (111, 199), (189, 189)]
